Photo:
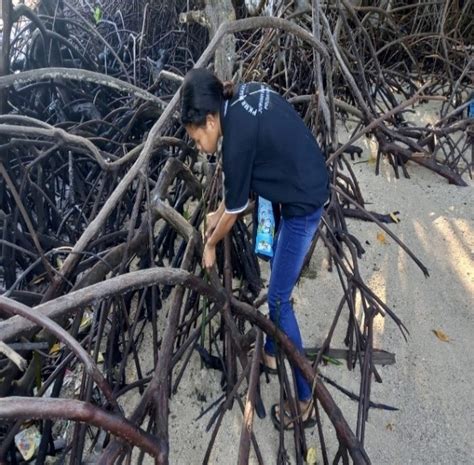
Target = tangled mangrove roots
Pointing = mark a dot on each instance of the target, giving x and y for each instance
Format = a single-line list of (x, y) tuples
[(103, 200)]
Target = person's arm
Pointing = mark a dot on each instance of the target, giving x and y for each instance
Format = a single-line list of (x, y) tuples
[(238, 149), (224, 225), (212, 220)]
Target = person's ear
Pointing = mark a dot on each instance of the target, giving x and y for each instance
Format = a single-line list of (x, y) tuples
[(211, 121)]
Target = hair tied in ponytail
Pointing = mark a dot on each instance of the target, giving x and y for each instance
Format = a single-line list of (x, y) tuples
[(228, 90)]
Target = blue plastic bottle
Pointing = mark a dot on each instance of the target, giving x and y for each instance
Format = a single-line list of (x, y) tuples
[(265, 228)]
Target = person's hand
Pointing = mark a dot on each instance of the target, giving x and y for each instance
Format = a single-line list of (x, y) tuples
[(209, 256), (211, 223)]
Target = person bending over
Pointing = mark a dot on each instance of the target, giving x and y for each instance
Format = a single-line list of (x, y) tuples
[(268, 150)]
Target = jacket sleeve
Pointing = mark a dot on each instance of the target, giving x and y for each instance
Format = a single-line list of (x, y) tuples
[(238, 150)]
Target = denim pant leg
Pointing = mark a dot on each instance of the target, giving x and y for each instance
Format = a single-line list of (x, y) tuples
[(293, 242)]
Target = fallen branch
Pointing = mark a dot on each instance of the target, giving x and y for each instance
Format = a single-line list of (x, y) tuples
[(78, 75), (27, 408)]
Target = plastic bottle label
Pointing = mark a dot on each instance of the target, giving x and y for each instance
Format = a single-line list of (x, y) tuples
[(265, 228)]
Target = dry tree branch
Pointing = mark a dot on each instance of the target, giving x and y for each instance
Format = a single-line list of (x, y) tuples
[(83, 75), (27, 408)]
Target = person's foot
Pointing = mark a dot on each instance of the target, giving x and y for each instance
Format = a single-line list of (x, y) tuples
[(307, 415), (269, 362)]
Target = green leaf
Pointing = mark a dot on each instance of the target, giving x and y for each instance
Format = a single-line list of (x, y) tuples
[(331, 360), (97, 14)]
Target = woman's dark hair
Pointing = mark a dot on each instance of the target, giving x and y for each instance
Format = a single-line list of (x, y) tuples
[(202, 94)]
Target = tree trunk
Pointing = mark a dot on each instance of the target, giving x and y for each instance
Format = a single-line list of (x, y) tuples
[(218, 11), (6, 12)]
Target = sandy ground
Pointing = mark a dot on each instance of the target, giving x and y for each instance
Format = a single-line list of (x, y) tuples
[(431, 381)]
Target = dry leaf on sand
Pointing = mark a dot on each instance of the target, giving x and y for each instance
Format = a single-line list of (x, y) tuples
[(381, 238), (440, 335)]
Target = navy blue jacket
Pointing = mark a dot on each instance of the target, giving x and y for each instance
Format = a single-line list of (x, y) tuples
[(267, 149)]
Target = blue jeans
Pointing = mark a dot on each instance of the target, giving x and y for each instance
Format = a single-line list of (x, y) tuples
[(291, 245)]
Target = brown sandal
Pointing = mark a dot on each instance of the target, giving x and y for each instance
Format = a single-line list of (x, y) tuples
[(307, 422)]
